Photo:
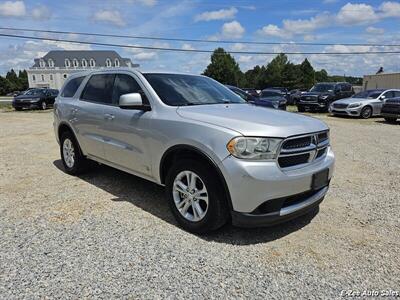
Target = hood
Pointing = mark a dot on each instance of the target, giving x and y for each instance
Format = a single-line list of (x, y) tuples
[(316, 94), (352, 100), (252, 120), (26, 97), (272, 99)]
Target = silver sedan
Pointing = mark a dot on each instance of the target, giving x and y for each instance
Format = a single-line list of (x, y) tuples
[(365, 104)]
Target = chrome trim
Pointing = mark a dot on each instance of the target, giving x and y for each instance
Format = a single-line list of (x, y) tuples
[(309, 201)]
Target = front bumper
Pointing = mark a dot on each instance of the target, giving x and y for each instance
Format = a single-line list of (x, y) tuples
[(312, 105), (25, 104), (262, 184), (355, 112)]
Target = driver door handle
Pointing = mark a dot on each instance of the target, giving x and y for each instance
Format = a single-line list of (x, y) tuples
[(109, 116)]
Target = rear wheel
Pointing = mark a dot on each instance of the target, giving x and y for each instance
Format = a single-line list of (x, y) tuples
[(196, 199), (366, 112), (18, 108), (73, 160), (390, 120)]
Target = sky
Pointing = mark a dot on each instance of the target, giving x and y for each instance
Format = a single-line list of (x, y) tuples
[(319, 21)]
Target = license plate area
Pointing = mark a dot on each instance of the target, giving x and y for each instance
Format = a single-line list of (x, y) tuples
[(320, 179)]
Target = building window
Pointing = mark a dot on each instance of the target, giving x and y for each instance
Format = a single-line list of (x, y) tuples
[(92, 63), (116, 62), (50, 62), (84, 63), (51, 76), (33, 77), (65, 76), (108, 62), (42, 77), (42, 64), (67, 63), (75, 62)]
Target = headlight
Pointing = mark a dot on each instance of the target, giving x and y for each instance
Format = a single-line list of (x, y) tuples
[(324, 97), (275, 104), (353, 105), (254, 147)]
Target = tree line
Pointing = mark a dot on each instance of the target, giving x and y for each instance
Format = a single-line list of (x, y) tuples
[(279, 72), (13, 82)]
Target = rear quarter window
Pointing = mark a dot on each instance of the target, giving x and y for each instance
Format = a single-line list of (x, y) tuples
[(72, 86)]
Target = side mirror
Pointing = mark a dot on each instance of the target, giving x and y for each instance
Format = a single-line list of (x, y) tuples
[(133, 101), (382, 97)]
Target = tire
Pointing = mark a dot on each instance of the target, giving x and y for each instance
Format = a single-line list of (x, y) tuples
[(79, 163), (390, 120), (300, 109), (366, 112), (18, 108), (43, 105), (211, 216)]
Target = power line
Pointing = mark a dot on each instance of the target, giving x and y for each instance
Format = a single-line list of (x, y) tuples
[(193, 40), (192, 50)]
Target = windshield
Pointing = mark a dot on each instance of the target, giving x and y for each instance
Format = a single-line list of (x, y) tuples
[(33, 92), (178, 90), (265, 94), (323, 88), (368, 94)]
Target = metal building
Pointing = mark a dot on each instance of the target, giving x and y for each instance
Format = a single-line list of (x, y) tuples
[(382, 81)]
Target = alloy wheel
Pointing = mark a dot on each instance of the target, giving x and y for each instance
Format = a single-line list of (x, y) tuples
[(190, 196), (69, 153), (44, 105)]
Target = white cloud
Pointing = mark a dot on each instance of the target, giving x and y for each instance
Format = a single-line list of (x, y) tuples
[(374, 30), (273, 30), (187, 47), (232, 30), (390, 9), (141, 56), (302, 26), (238, 47), (222, 14), (41, 12), (12, 9), (245, 58), (113, 17), (356, 14)]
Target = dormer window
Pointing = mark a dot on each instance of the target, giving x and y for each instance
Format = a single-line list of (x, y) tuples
[(108, 63), (116, 63), (92, 63), (50, 62), (84, 63), (42, 63), (67, 63), (75, 62)]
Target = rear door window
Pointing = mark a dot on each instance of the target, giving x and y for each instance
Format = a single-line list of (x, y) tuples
[(99, 89), (71, 87)]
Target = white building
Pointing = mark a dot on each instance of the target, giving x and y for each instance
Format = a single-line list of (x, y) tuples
[(52, 69)]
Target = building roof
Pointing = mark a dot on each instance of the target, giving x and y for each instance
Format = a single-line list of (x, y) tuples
[(100, 57)]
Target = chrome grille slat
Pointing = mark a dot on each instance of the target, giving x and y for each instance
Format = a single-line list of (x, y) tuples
[(300, 150)]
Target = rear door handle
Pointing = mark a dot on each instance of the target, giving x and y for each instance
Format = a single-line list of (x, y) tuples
[(109, 116), (74, 110)]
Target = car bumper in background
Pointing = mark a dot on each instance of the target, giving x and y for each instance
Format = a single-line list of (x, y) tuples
[(262, 193), (26, 104), (312, 105), (355, 112)]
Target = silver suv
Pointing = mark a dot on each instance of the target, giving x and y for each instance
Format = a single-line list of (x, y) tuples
[(219, 157)]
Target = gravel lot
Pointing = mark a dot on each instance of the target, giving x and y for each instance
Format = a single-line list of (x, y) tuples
[(108, 234)]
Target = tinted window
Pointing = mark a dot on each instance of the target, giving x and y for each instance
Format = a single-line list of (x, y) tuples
[(323, 87), (396, 93), (389, 95), (346, 87), (99, 88), (124, 84), (34, 92), (239, 92), (71, 87), (177, 90), (374, 95), (265, 94)]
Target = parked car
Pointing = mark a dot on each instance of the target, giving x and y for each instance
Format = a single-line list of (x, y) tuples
[(295, 96), (251, 91), (219, 157), (272, 98), (365, 104), (35, 98), (246, 96), (391, 109), (322, 95), (282, 90)]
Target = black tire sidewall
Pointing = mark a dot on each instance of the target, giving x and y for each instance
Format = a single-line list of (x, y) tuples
[(217, 212)]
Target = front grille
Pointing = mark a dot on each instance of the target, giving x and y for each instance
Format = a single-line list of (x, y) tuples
[(289, 161), (309, 99), (340, 105), (303, 149)]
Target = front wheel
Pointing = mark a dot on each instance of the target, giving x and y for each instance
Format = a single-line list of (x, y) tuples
[(196, 199), (43, 105), (366, 112), (390, 120)]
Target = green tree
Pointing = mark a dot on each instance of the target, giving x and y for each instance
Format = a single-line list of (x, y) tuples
[(5, 86), (223, 68), (321, 76), (275, 69), (307, 74)]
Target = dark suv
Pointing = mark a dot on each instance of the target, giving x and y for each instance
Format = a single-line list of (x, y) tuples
[(323, 94), (35, 98)]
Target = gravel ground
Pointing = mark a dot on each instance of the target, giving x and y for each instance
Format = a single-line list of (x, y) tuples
[(108, 234)]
